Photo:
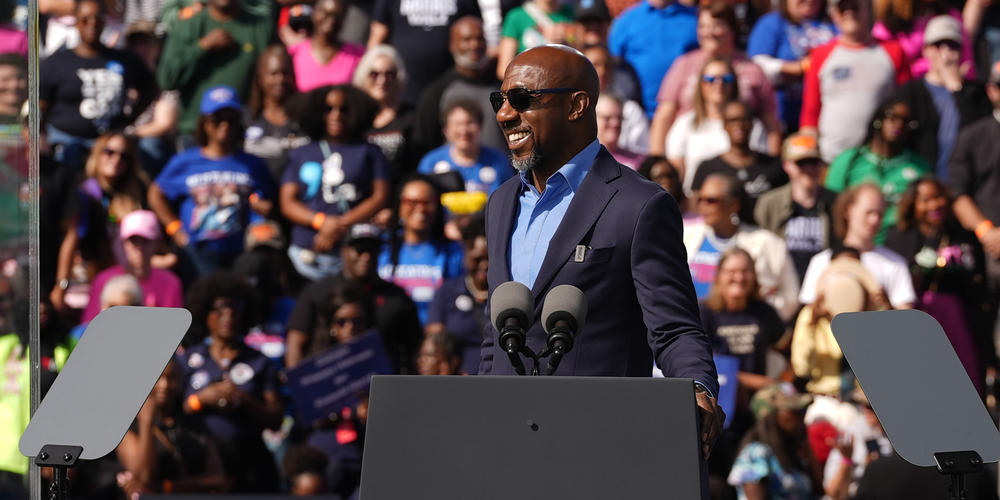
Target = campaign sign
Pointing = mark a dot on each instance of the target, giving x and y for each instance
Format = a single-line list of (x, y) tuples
[(728, 368), (323, 384)]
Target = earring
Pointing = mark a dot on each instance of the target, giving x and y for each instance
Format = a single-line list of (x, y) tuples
[(735, 219), (877, 124)]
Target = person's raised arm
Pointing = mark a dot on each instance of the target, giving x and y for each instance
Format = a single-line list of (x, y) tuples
[(137, 451), (378, 34)]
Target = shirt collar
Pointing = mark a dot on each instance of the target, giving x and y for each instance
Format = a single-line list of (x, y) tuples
[(573, 171), (673, 8)]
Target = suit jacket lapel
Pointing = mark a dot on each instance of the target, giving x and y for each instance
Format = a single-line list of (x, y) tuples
[(588, 203)]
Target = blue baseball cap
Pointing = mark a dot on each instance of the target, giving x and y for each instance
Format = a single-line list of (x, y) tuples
[(221, 97)]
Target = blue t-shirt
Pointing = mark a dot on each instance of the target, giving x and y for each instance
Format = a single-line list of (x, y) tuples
[(421, 270), (332, 179), (268, 338), (462, 317), (703, 264), (490, 170), (649, 39), (214, 195), (948, 124)]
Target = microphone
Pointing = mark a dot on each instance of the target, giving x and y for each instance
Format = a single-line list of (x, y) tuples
[(511, 309), (563, 315)]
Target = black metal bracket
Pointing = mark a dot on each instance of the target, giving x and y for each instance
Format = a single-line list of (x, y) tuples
[(60, 458), (957, 464)]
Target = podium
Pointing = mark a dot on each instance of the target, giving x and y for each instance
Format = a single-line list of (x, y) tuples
[(531, 437)]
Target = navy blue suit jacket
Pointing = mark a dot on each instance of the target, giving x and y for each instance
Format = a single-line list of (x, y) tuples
[(634, 273)]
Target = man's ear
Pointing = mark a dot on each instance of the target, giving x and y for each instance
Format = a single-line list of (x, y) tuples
[(579, 102)]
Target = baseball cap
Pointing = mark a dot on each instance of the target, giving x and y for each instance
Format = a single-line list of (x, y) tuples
[(220, 97), (361, 232), (264, 233), (942, 28), (591, 10), (141, 223), (780, 396), (799, 147)]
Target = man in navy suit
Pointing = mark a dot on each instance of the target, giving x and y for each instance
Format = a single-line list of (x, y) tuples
[(576, 216)]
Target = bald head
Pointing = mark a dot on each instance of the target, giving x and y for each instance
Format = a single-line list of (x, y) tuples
[(468, 45), (561, 66)]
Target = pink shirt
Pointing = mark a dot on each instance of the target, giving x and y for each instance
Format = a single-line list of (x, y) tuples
[(913, 44), (13, 41), (678, 85), (310, 74), (161, 289)]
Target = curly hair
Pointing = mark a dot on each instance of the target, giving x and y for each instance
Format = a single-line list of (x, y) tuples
[(905, 213), (220, 284), (360, 110), (345, 293), (395, 227)]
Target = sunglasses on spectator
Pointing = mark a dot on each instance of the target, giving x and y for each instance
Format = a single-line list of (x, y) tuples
[(389, 75), (846, 5), (342, 322), (727, 78), (366, 246), (416, 203), (520, 98), (115, 153), (710, 200), (951, 44)]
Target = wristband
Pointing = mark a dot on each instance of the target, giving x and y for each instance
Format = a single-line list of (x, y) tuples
[(983, 228), (168, 486), (318, 220), (806, 63), (194, 403), (846, 460), (254, 197), (173, 227)]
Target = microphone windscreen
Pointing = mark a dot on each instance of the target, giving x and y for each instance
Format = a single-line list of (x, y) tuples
[(511, 299), (564, 302)]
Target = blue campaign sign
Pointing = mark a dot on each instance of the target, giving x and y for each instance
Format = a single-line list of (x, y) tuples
[(728, 368), (324, 384)]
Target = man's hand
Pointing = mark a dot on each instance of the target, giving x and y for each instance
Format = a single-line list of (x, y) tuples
[(712, 418), (215, 40)]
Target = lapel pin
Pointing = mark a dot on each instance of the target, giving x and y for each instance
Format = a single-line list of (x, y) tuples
[(581, 251)]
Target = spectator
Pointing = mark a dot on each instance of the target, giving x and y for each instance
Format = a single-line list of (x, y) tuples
[(948, 270), (847, 78), (13, 87), (272, 131), (231, 387), (382, 75), (591, 23), (882, 159), (801, 211), (472, 78), (438, 356), (717, 29), (534, 23), (113, 188), (323, 59), (155, 128), (420, 32), (219, 189), (84, 92), (649, 36), (857, 218), (942, 101), (173, 11), (775, 460), (459, 307), (861, 442), (483, 168), (700, 134), (165, 450), (304, 468), (13, 38), (660, 171), (758, 172), (218, 46), (395, 315), (140, 237), (618, 80), (418, 257), (334, 182), (121, 290), (610, 119), (975, 179), (908, 21), (719, 201)]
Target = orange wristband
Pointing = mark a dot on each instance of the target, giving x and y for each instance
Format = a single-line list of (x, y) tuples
[(318, 220), (806, 64), (194, 403), (173, 227), (168, 486), (254, 197), (983, 228)]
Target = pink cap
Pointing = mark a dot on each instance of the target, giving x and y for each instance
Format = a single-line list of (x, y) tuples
[(140, 223)]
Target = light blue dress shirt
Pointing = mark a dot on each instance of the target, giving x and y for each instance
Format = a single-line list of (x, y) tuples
[(539, 214)]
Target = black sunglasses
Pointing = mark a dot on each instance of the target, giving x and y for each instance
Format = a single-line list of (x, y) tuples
[(520, 98)]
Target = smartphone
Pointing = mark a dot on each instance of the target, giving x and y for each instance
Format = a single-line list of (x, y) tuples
[(873, 446)]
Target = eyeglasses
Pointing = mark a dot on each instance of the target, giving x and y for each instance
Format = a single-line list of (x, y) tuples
[(727, 78), (115, 153), (342, 322), (389, 74), (911, 124), (520, 98), (366, 246), (951, 44)]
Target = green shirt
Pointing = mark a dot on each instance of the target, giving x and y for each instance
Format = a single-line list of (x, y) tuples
[(184, 66), (860, 166), (520, 26)]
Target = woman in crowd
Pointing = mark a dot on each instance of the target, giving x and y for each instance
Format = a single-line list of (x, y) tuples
[(334, 182), (619, 80), (323, 59), (857, 218), (699, 135), (219, 188), (439, 356), (533, 23), (167, 451), (115, 186), (947, 264), (721, 229), (883, 159), (780, 43), (775, 461), (905, 22), (609, 130), (272, 130), (382, 74), (231, 388), (418, 257), (659, 170), (717, 29)]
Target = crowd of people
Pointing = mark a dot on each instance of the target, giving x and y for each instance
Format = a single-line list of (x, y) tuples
[(300, 173)]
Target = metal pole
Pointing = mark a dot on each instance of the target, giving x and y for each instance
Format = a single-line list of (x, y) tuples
[(34, 343)]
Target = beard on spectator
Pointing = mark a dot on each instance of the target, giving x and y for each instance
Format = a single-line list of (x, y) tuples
[(523, 165)]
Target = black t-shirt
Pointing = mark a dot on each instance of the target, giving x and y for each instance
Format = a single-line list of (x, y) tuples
[(803, 236), (763, 175), (395, 317), (272, 143), (974, 169), (462, 317), (745, 334), (87, 96), (394, 141), (419, 30)]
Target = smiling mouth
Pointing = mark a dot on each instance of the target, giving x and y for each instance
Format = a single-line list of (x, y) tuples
[(515, 138)]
